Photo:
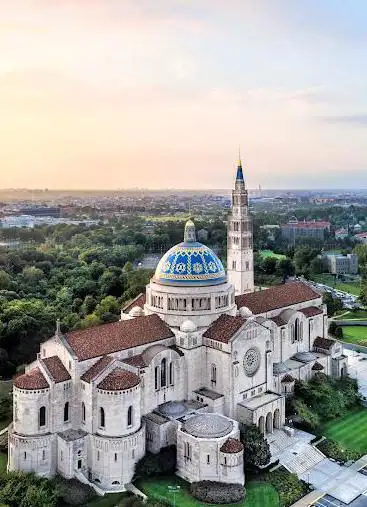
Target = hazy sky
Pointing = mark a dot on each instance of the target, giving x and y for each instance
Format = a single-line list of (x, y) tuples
[(160, 93)]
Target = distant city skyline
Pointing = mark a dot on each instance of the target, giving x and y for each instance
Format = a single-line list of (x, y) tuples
[(111, 94)]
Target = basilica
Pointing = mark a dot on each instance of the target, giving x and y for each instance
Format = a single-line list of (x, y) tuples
[(196, 355)]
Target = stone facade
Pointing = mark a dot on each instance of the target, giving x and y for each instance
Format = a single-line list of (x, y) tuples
[(187, 362)]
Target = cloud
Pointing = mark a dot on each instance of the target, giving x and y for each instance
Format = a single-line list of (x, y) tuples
[(352, 119)]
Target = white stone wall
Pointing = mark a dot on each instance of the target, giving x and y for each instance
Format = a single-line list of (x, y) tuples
[(32, 454), (26, 411), (206, 460), (111, 461)]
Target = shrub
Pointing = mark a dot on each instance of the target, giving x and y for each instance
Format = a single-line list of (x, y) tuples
[(217, 492), (73, 492), (289, 487), (335, 450), (151, 465)]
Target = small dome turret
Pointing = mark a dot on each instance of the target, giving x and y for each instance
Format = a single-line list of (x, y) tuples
[(188, 326), (136, 311)]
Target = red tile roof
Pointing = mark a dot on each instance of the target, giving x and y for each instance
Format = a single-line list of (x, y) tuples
[(119, 380), (323, 343), (287, 378), (311, 311), (138, 301), (232, 445), (276, 297), (56, 369), (279, 321), (136, 361), (317, 367), (116, 336), (96, 369), (31, 380), (224, 328)]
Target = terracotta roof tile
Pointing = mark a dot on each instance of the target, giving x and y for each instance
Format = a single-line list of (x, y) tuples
[(323, 343), (56, 369), (287, 378), (138, 301), (137, 361), (317, 367), (280, 296), (224, 328), (232, 445), (311, 311), (31, 380), (96, 369), (116, 336), (279, 321), (119, 380)]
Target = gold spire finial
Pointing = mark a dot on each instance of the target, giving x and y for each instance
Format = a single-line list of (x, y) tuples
[(239, 156)]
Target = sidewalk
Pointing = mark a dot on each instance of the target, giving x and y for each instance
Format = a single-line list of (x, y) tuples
[(309, 499)]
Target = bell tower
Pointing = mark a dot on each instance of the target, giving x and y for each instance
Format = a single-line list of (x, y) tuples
[(240, 263)]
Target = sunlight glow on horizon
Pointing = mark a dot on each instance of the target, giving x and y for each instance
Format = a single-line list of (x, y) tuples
[(159, 94)]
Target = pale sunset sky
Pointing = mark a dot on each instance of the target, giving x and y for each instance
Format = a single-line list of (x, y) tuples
[(159, 93)]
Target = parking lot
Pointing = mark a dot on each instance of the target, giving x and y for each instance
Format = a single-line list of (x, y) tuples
[(329, 501)]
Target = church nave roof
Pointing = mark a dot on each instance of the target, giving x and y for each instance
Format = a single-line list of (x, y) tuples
[(276, 297), (116, 336)]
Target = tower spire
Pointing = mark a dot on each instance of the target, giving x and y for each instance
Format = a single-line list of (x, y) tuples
[(239, 175)]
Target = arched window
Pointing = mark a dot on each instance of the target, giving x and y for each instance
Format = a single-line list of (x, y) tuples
[(296, 330), (171, 379), (213, 377), (43, 455), (42, 416), (83, 412), (130, 416), (164, 372), (101, 417), (66, 411), (156, 378)]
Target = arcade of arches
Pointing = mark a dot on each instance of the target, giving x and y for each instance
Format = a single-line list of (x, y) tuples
[(269, 422)]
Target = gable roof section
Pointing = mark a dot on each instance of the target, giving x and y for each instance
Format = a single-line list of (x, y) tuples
[(137, 361), (56, 369), (323, 343), (276, 297), (116, 336), (224, 328), (311, 311), (138, 301), (96, 369), (279, 321)]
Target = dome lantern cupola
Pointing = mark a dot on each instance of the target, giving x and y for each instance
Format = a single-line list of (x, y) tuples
[(190, 232)]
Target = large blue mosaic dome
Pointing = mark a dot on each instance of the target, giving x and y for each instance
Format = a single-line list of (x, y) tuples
[(190, 263)]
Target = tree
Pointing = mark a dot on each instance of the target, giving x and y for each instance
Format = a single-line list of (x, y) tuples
[(256, 447), (285, 268), (269, 265), (153, 465), (333, 304), (363, 294), (5, 280)]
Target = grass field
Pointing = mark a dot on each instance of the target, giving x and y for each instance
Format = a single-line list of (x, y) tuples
[(350, 287), (259, 494), (270, 253), (350, 430), (355, 334), (110, 500)]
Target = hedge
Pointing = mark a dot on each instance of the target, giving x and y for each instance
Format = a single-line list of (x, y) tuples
[(217, 492)]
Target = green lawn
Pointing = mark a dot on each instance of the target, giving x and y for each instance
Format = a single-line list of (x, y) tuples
[(350, 430), (358, 314), (270, 253), (258, 494), (355, 334)]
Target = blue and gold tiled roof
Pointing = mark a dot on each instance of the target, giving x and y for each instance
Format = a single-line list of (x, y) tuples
[(190, 263)]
